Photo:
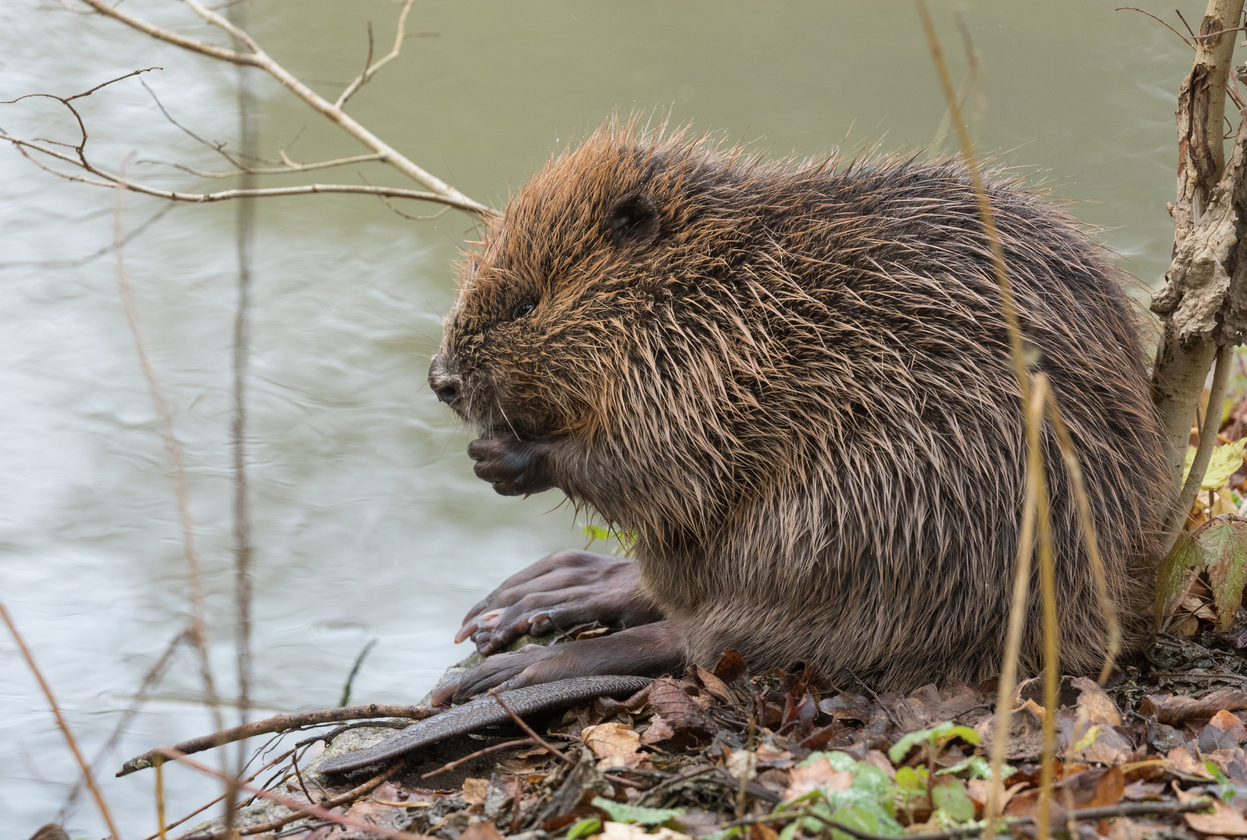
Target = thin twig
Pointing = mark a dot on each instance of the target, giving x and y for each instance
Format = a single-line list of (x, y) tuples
[(108, 179), (62, 723), (94, 255), (451, 765), (280, 723), (248, 132), (303, 808), (336, 802), (370, 70), (149, 679), (258, 58), (208, 805), (1158, 20), (173, 448), (290, 168), (497, 695)]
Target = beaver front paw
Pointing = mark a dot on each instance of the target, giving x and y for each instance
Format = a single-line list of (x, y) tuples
[(565, 589), (514, 467)]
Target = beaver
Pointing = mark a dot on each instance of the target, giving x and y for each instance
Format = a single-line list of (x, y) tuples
[(790, 382)]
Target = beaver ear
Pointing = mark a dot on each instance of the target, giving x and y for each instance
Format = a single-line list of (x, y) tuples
[(632, 221)]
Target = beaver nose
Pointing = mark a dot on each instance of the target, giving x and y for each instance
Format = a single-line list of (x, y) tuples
[(445, 384)]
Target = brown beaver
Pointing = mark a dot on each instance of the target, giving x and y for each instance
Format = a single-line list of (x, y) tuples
[(792, 384)]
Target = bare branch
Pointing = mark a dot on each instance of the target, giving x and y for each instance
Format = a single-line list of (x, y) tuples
[(289, 168), (210, 50), (258, 58), (94, 255), (108, 179), (371, 69)]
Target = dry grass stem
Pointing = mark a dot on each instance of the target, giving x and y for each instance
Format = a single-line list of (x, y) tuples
[(1040, 395), (61, 723), (1074, 471), (174, 451)]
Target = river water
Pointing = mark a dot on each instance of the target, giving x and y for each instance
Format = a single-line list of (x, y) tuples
[(368, 523)]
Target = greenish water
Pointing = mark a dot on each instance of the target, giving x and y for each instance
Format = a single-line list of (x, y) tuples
[(368, 523)]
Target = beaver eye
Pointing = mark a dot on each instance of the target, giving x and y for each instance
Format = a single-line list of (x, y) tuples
[(523, 309)]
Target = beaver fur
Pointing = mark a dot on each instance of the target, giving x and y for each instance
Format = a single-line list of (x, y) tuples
[(792, 383)]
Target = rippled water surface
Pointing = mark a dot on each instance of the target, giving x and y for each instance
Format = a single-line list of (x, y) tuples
[(368, 523)]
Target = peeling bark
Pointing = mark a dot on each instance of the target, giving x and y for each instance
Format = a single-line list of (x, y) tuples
[(1203, 303)]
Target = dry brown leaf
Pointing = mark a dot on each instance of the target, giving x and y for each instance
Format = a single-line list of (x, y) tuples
[(980, 790), (615, 744), (669, 700), (731, 667), (1099, 786), (816, 775), (659, 730), (1224, 731), (1098, 707), (742, 763), (1173, 708), (715, 686), (1223, 820), (1233, 763), (474, 791), (1186, 762), (484, 830)]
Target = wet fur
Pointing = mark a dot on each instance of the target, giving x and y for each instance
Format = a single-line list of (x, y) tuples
[(792, 383)]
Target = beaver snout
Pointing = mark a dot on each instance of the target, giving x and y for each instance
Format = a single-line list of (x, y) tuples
[(448, 386)]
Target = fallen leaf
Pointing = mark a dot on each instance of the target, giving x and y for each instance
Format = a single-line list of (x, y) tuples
[(1224, 731), (659, 730), (731, 667), (1184, 761), (474, 791), (715, 686), (615, 744), (1223, 820), (742, 764), (1099, 786), (484, 830), (669, 700), (1173, 708), (817, 775)]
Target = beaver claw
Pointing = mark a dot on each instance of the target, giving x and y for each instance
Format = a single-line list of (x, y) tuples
[(514, 467), (562, 590), (648, 650)]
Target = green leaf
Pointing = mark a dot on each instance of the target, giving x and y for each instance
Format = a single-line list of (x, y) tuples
[(908, 779), (1227, 791), (854, 817), (1225, 541), (1226, 460), (950, 797), (619, 812), (1185, 555), (901, 748), (935, 738), (590, 825), (595, 532), (979, 767), (1090, 737), (838, 760)]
